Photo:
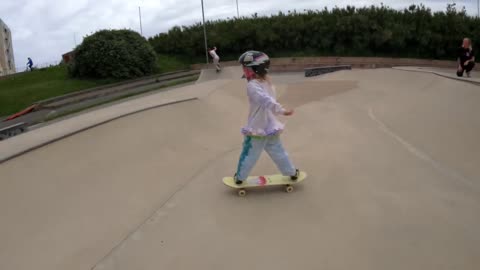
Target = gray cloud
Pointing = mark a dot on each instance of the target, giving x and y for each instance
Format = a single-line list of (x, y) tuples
[(45, 29)]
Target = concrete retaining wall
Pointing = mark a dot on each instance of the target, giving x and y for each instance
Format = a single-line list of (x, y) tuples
[(300, 63)]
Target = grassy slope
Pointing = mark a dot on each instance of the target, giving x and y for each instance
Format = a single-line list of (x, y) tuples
[(20, 91), (170, 63)]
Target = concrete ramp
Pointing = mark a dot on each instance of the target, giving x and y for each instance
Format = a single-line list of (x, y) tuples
[(227, 73)]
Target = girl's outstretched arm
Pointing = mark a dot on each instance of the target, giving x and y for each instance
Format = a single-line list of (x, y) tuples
[(258, 96)]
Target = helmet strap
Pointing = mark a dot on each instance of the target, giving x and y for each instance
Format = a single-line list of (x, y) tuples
[(249, 73)]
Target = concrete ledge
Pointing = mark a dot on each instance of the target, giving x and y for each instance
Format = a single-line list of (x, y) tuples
[(12, 130), (298, 64), (475, 81), (121, 86), (316, 71)]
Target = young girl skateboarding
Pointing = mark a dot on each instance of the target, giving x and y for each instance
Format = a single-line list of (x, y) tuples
[(263, 129)]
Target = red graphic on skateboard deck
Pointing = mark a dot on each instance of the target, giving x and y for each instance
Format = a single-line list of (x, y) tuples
[(261, 181)]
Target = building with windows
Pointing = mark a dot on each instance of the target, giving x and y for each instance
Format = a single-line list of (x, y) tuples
[(7, 61)]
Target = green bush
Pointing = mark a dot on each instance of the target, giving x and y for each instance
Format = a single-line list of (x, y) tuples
[(369, 31), (120, 54)]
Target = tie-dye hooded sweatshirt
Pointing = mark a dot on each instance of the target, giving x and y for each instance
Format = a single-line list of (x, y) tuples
[(262, 120)]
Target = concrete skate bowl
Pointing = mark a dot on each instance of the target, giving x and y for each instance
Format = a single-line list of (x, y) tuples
[(392, 158)]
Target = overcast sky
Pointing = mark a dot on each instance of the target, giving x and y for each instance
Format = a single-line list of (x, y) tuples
[(45, 29)]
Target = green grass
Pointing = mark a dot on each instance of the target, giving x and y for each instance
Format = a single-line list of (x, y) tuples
[(22, 90), (171, 63)]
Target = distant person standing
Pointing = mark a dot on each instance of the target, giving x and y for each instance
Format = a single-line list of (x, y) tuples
[(30, 64), (465, 58), (216, 59)]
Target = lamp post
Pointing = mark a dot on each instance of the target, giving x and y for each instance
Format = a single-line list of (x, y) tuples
[(238, 13), (140, 17), (205, 33)]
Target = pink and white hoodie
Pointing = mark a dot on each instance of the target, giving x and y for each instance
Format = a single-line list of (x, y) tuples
[(264, 108)]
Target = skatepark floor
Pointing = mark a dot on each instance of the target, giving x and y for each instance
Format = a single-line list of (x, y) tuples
[(392, 158)]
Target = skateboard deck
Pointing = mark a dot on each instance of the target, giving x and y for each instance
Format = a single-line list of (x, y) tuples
[(264, 180)]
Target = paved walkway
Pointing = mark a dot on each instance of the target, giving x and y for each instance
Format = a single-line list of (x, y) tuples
[(392, 156)]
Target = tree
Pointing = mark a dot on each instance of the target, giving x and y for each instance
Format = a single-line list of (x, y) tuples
[(350, 31), (121, 54)]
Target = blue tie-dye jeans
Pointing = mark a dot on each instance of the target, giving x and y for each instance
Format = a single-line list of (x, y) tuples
[(253, 147)]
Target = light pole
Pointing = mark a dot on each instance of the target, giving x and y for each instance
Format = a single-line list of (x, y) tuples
[(140, 17), (205, 33), (238, 13)]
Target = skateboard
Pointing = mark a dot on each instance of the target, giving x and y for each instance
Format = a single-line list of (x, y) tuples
[(265, 180)]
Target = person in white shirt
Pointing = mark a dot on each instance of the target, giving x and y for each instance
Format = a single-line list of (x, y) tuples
[(216, 59), (263, 129)]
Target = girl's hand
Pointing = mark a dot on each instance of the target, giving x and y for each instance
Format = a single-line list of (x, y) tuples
[(288, 112)]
